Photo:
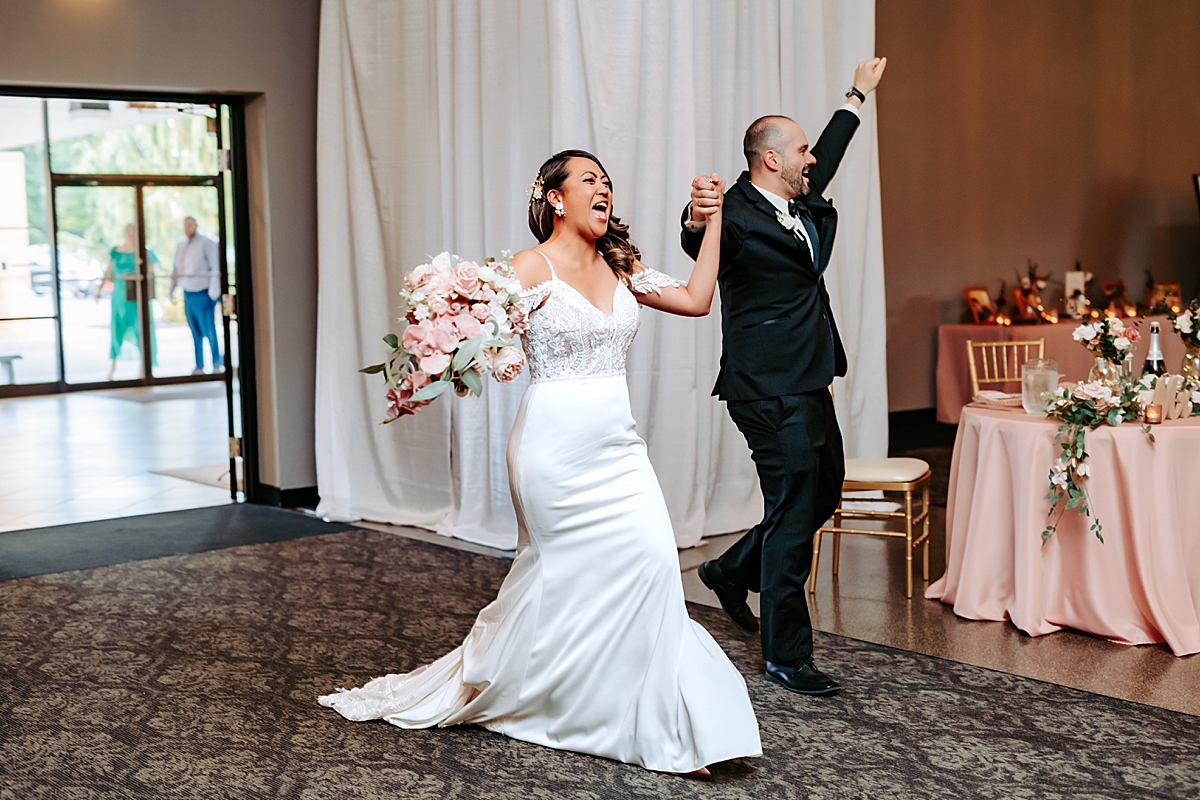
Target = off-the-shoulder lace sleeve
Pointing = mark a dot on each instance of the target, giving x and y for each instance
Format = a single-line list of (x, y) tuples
[(647, 280), (533, 297)]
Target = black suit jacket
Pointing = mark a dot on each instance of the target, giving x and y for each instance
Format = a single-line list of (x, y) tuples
[(778, 332)]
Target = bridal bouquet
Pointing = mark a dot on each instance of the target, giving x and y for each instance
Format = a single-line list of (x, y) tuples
[(1108, 338), (463, 322), (1084, 407)]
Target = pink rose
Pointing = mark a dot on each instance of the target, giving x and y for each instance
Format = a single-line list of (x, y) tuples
[(466, 280), (1133, 334), (507, 364), (468, 326), (440, 283), (438, 305), (481, 312), (419, 276)]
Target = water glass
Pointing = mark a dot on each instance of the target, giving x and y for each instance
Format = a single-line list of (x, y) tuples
[(1038, 376)]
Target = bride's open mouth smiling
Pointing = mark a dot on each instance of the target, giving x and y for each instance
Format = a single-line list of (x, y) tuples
[(600, 211)]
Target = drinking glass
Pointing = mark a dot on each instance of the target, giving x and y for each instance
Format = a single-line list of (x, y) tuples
[(1038, 376)]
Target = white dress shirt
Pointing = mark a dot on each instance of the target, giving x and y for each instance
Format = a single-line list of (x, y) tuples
[(197, 265), (781, 206)]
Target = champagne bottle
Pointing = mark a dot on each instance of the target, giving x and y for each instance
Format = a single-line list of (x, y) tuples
[(1154, 359)]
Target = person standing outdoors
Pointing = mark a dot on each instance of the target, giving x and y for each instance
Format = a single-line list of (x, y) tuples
[(780, 353), (198, 272)]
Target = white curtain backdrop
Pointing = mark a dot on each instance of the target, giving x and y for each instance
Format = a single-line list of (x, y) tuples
[(433, 119)]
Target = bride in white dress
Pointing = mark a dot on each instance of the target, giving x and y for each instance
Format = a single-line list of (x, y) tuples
[(588, 646)]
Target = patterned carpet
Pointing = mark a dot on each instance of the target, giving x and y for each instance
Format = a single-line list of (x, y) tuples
[(196, 676)]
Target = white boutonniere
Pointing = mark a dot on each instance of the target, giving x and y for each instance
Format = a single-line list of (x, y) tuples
[(791, 223)]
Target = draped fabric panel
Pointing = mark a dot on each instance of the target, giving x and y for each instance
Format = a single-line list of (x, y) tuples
[(433, 119)]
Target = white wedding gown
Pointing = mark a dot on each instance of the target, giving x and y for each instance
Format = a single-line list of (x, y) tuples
[(588, 646)]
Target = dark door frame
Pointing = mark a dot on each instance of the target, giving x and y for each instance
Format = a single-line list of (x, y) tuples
[(247, 446)]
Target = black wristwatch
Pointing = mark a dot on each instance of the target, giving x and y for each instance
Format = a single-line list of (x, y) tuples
[(854, 92)]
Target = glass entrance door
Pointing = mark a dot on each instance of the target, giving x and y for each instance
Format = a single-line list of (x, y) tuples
[(140, 282)]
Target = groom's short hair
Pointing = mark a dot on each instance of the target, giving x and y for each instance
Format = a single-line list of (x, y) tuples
[(764, 134)]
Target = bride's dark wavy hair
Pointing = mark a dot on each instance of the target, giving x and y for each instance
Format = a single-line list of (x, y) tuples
[(615, 246)]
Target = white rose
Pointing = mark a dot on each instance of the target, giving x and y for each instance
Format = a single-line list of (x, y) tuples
[(487, 275), (1084, 333), (442, 263), (1183, 324), (1121, 343)]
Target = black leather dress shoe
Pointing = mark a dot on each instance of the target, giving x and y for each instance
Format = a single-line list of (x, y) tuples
[(804, 679), (733, 598)]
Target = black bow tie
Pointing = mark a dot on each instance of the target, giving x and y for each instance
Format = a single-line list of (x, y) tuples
[(797, 209)]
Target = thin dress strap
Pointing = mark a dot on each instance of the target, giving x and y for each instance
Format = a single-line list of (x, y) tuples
[(549, 263)]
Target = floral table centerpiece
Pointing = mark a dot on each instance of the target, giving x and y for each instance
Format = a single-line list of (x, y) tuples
[(1112, 341), (463, 320), (1187, 325), (1084, 407)]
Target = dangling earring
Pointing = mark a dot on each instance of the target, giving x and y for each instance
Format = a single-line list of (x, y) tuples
[(559, 210)]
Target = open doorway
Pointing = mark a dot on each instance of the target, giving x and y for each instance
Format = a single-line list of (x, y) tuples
[(123, 307)]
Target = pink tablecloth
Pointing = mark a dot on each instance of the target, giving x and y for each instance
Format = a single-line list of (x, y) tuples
[(1074, 360), (1140, 586)]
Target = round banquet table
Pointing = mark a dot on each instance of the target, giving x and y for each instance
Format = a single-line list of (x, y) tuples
[(1141, 585)]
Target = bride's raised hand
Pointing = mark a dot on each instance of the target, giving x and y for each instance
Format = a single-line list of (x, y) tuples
[(708, 193), (712, 209), (694, 299)]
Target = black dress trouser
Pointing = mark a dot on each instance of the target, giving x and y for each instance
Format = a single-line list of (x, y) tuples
[(797, 448)]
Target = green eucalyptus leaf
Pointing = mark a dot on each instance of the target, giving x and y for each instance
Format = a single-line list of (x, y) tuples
[(373, 369), (392, 341), (473, 381), (433, 390), (467, 353)]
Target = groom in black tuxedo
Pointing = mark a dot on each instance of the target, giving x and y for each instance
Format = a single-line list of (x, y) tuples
[(780, 353)]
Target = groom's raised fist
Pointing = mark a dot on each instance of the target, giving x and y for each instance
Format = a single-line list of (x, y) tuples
[(868, 73), (708, 192)]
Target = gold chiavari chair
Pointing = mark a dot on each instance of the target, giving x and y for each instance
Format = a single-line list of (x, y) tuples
[(1000, 362), (906, 475)]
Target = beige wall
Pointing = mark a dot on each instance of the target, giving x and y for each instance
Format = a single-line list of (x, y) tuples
[(266, 48), (1030, 129)]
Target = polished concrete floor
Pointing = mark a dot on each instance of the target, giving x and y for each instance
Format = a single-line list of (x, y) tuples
[(92, 455)]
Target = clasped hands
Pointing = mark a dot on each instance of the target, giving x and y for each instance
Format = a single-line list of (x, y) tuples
[(708, 194)]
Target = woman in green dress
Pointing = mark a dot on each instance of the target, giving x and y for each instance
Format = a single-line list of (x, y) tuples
[(122, 272)]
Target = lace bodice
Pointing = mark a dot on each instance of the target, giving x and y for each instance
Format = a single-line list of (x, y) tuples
[(568, 337)]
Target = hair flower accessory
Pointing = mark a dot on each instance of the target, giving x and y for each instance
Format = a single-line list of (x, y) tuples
[(535, 189)]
